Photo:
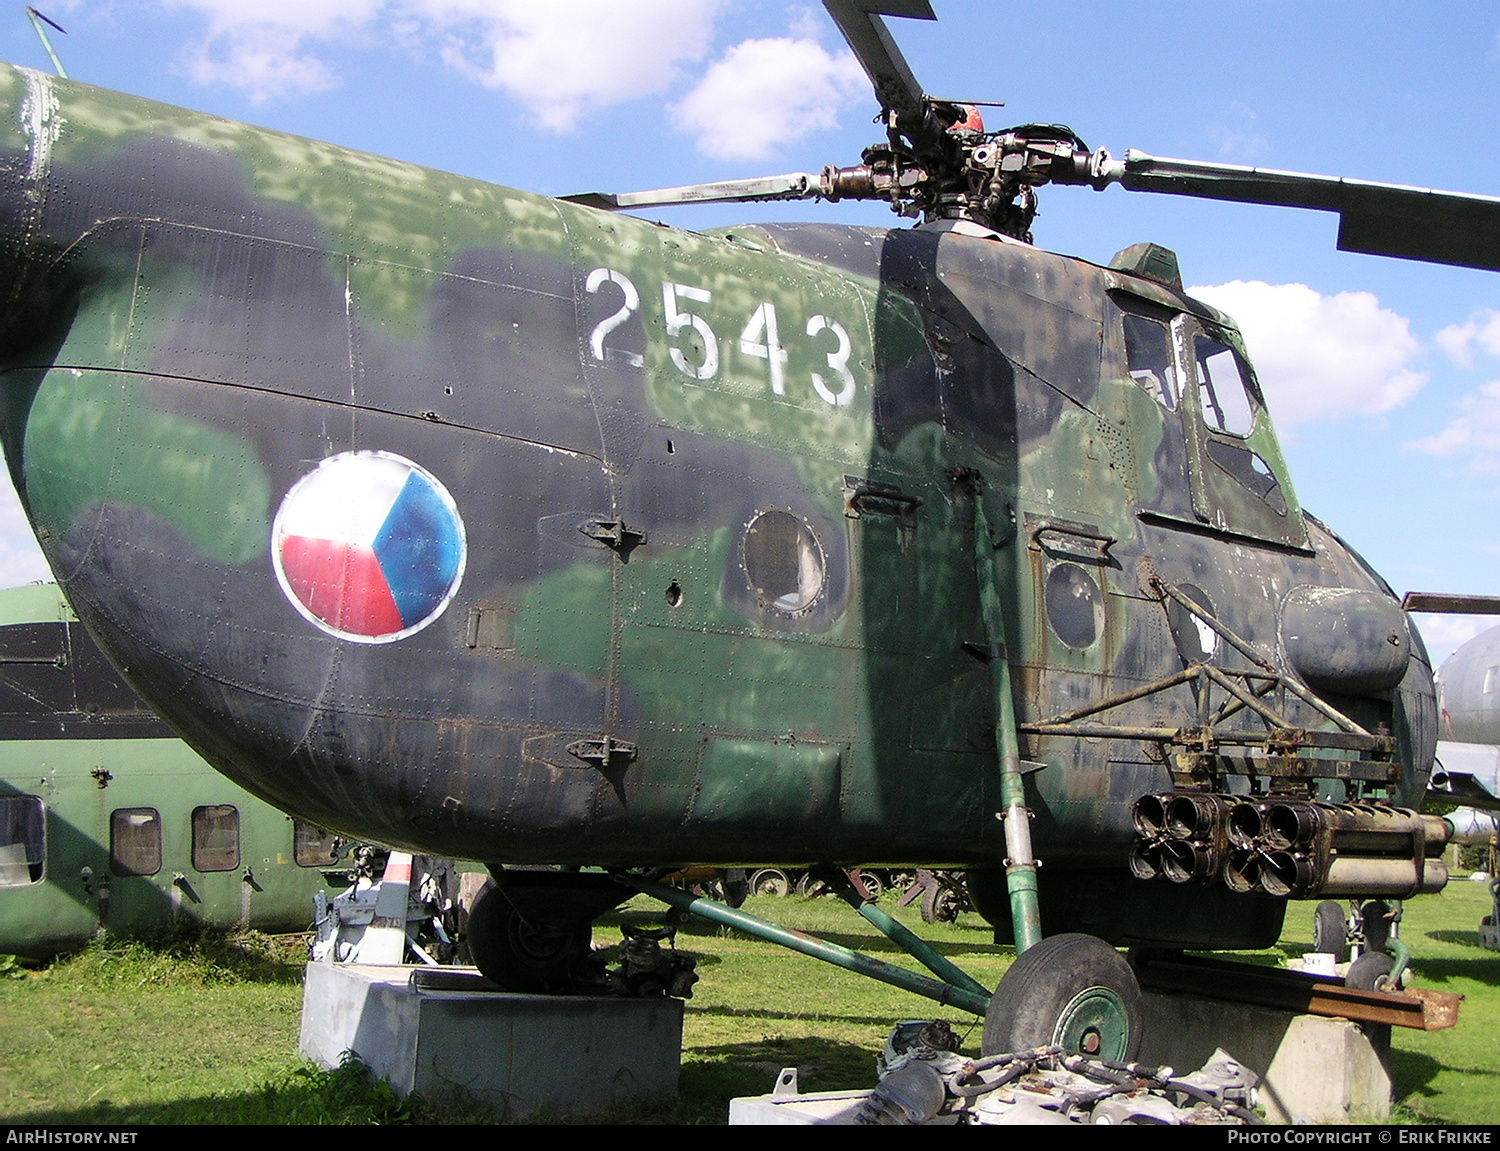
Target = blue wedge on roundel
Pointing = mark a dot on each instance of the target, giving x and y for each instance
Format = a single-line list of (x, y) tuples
[(369, 546)]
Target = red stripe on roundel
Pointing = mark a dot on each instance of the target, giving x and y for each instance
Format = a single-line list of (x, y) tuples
[(342, 584)]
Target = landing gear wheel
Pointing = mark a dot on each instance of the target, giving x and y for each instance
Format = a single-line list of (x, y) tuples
[(532, 957), (1374, 916), (1371, 972), (1329, 932), (1074, 991)]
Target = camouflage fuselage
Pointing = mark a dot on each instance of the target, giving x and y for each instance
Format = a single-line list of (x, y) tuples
[(716, 495)]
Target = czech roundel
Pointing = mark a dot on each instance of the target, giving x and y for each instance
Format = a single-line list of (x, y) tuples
[(369, 547)]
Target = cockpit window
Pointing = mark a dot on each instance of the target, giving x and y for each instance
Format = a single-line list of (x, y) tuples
[(1148, 354), (1223, 389)]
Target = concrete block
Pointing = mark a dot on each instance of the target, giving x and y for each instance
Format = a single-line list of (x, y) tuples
[(1312, 1069), (568, 1055)]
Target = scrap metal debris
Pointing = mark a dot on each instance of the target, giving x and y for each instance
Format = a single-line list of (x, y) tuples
[(923, 1079)]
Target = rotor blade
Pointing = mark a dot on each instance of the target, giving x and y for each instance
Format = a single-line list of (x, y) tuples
[(791, 186), (1377, 219), (1442, 603), (865, 32)]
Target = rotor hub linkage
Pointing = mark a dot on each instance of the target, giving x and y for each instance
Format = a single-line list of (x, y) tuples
[(1288, 848), (985, 177)]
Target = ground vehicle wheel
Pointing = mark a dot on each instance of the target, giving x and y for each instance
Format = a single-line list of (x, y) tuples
[(1072, 990), (530, 956), (810, 887), (1370, 972), (770, 881), (1329, 933), (872, 884), (939, 904), (1376, 926)]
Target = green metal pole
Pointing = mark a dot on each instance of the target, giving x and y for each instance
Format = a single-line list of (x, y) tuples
[(1020, 864), (901, 935), (960, 997)]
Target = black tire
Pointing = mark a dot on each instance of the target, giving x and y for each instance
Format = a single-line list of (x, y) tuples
[(939, 904), (1330, 933), (1377, 927), (1073, 990), (1370, 971), (533, 958)]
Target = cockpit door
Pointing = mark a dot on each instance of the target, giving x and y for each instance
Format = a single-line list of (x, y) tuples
[(1241, 483), (1205, 452)]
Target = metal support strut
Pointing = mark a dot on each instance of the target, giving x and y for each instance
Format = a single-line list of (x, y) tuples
[(1020, 863), (964, 996), (901, 935)]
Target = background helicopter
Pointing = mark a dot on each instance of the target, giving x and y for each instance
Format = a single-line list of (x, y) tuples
[(801, 593), (108, 822)]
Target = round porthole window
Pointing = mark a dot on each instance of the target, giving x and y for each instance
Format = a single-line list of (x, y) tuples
[(1075, 606), (783, 561)]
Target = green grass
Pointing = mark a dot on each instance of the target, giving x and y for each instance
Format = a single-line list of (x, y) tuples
[(205, 1031)]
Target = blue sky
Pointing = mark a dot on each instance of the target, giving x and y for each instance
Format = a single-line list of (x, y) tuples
[(1383, 375)]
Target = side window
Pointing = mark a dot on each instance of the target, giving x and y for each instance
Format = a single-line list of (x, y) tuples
[(135, 841), (23, 844), (216, 838), (1223, 388), (312, 846), (1148, 354)]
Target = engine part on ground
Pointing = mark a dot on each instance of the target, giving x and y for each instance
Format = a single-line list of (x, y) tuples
[(924, 1079), (1288, 848), (411, 910), (645, 969)]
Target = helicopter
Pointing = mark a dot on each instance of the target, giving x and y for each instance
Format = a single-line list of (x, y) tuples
[(513, 528), (107, 822)]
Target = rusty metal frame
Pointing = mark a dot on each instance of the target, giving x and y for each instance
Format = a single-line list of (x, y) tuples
[(1367, 755)]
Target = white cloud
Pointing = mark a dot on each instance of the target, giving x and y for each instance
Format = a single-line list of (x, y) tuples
[(1321, 356), (1458, 340), (763, 94), (1238, 135), (561, 58), (558, 58), (262, 48), (21, 559), (1444, 634), (1476, 430)]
